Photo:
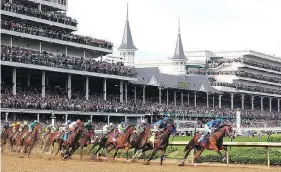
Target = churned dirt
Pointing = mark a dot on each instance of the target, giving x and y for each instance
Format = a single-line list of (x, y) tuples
[(48, 163)]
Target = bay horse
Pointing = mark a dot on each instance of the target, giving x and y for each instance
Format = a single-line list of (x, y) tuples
[(161, 143), (55, 137), (214, 142), (6, 136), (101, 141), (28, 141), (85, 140), (45, 141), (140, 141), (70, 145), (122, 142)]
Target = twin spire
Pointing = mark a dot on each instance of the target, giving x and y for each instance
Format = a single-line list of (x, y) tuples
[(127, 41), (128, 44), (179, 53)]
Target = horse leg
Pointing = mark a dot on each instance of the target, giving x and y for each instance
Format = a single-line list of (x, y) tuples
[(135, 154), (127, 153), (162, 156), (81, 152), (198, 153), (150, 158), (116, 151), (188, 149)]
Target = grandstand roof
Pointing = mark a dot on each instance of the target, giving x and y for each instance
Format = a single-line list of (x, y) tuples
[(152, 76), (127, 41)]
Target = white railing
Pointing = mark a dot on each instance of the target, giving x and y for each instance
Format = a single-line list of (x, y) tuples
[(266, 145)]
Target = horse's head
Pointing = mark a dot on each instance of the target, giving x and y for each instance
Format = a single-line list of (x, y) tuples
[(91, 133), (36, 127), (228, 130), (130, 129)]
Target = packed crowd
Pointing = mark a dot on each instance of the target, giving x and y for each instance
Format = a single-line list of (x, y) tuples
[(238, 73), (22, 55), (49, 32), (20, 8), (56, 99), (252, 88), (217, 63)]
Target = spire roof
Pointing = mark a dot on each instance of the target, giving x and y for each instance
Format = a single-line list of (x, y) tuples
[(127, 41), (179, 53)]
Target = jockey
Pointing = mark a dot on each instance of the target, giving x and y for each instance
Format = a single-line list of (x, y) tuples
[(121, 127), (72, 126), (141, 126), (210, 126), (31, 126), (24, 124), (88, 125), (16, 127)]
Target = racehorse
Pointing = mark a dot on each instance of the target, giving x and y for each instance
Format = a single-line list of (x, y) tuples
[(28, 140), (139, 141), (85, 140), (101, 142), (71, 144), (121, 142), (45, 141), (161, 143), (6, 136), (55, 137), (214, 142)]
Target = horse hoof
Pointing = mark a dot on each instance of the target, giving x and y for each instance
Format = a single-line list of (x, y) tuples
[(181, 164), (195, 164), (146, 163)]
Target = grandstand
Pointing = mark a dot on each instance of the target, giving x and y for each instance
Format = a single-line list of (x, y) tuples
[(47, 72)]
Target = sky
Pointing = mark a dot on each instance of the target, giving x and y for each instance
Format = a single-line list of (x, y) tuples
[(215, 25)]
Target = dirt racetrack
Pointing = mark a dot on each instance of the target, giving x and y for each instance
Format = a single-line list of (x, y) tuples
[(48, 163)]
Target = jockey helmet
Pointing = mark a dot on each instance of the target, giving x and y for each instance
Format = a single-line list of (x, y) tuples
[(219, 120), (143, 121), (24, 122), (78, 121), (35, 121), (90, 121), (68, 121), (166, 119), (18, 123), (110, 124)]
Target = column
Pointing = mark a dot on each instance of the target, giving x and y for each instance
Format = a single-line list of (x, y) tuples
[(14, 81), (43, 84), (220, 95), (232, 96), (6, 116), (11, 41), (38, 117), (278, 106), (242, 100), (84, 53), (66, 118), (121, 91), (270, 104), (69, 86), (175, 98), (207, 99), (181, 98), (40, 47), (91, 118), (188, 99), (39, 6), (104, 89), (108, 119), (65, 50), (126, 92), (143, 95), (213, 100), (195, 99), (160, 95), (252, 101), (28, 80), (167, 97), (135, 94), (262, 103), (87, 87)]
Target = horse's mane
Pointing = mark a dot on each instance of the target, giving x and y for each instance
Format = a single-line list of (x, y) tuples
[(129, 127)]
